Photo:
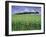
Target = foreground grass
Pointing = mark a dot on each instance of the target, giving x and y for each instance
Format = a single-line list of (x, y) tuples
[(26, 22)]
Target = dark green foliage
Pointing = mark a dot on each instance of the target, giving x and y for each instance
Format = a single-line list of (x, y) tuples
[(27, 13)]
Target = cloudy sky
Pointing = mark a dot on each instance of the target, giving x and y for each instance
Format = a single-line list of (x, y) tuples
[(17, 9)]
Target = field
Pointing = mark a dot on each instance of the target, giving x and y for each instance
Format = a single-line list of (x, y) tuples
[(26, 22)]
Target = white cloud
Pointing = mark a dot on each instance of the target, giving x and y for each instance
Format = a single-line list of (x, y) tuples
[(33, 10)]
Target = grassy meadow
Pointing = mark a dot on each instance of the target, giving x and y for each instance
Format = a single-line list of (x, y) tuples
[(26, 22)]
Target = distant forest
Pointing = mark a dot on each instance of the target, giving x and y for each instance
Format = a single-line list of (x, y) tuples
[(28, 13)]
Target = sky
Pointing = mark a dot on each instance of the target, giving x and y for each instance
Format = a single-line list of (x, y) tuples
[(20, 9)]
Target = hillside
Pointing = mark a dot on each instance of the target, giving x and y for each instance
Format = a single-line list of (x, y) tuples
[(28, 13)]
